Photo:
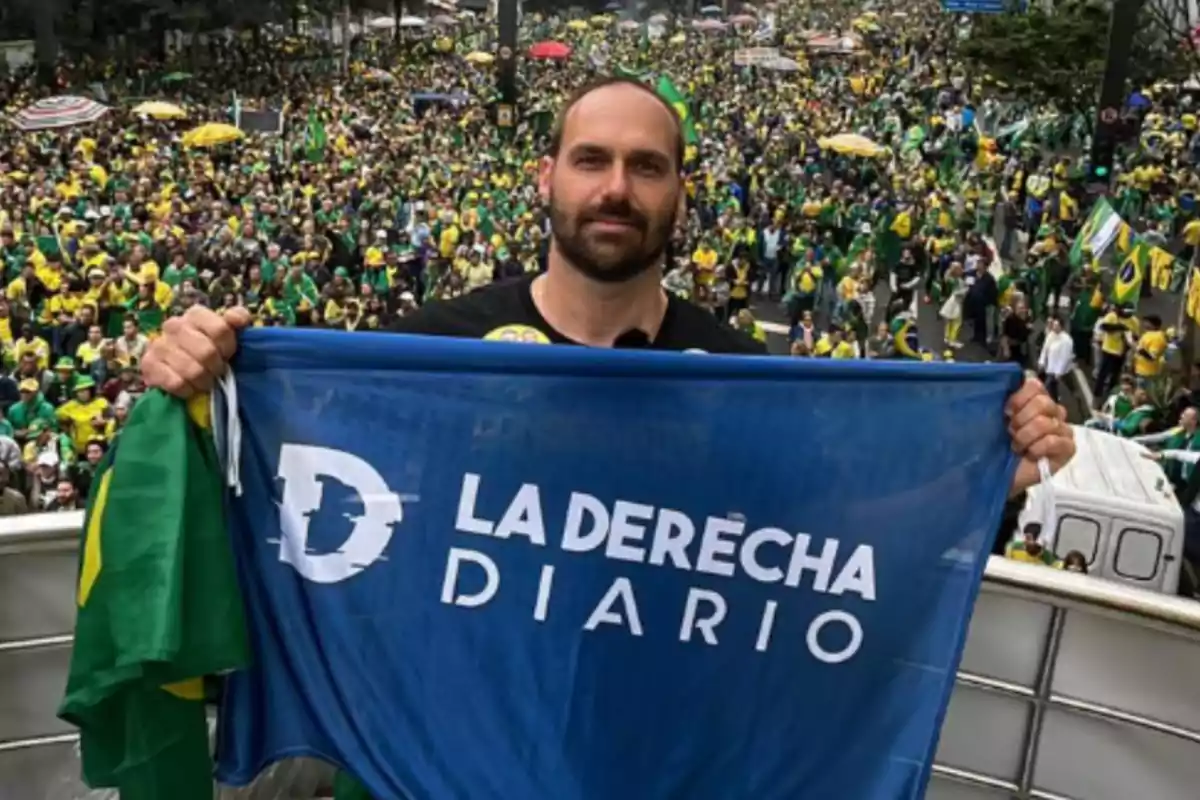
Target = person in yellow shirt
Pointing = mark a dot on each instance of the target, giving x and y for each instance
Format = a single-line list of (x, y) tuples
[(448, 238), (1115, 339), (705, 260), (90, 349), (34, 345), (1151, 346), (1029, 550), (61, 307), (6, 325), (86, 415), (744, 321), (740, 277)]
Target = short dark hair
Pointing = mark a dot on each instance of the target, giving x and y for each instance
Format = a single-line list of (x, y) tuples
[(612, 80)]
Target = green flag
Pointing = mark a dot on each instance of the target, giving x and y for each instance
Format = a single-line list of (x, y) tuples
[(158, 607), (632, 74), (913, 139), (314, 137), (1096, 233), (669, 92)]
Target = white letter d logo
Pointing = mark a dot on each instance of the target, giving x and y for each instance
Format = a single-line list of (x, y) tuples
[(299, 467)]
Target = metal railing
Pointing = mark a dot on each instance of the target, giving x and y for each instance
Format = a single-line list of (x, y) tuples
[(1066, 594)]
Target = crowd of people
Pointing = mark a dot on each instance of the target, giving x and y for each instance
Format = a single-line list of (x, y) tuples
[(842, 195)]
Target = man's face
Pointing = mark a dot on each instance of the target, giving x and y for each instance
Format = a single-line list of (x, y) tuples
[(614, 190)]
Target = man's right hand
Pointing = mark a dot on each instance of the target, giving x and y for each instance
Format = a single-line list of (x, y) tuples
[(193, 351)]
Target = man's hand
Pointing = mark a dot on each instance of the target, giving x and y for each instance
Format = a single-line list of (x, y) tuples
[(193, 351), (1038, 427)]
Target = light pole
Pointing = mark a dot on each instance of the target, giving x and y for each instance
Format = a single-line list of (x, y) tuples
[(508, 13), (1122, 27)]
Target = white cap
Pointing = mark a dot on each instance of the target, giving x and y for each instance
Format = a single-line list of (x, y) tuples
[(47, 459)]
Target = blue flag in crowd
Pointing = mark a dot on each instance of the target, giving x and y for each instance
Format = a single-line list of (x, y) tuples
[(509, 572)]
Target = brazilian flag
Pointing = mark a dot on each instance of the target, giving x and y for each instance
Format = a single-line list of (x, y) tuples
[(1127, 287), (158, 607), (668, 91)]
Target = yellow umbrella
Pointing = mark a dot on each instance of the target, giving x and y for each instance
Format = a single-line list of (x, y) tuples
[(600, 20), (160, 110), (577, 25), (480, 57), (211, 135), (852, 144)]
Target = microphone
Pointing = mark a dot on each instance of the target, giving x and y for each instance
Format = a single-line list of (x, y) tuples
[(635, 339)]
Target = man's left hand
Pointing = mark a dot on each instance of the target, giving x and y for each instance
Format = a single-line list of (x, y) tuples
[(1038, 427)]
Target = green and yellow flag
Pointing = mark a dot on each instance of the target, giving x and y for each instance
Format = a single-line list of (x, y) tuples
[(159, 607), (314, 137), (1193, 296), (1127, 287), (669, 92), (1162, 268)]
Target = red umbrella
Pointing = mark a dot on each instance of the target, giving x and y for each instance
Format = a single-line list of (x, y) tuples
[(553, 50)]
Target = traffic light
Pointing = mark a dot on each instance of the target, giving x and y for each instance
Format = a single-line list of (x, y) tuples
[(1100, 164)]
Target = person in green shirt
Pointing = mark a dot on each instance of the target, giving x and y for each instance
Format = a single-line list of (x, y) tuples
[(42, 437), (1138, 419), (62, 385), (179, 271), (273, 263), (32, 406), (299, 290)]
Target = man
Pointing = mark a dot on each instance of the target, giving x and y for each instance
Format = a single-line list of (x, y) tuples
[(12, 502), (1057, 357), (612, 179), (1115, 340), (1029, 550), (32, 406), (1150, 349), (1184, 437)]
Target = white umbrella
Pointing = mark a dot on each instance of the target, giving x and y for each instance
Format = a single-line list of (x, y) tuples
[(708, 25), (755, 56), (444, 19), (658, 19), (381, 23), (629, 25), (412, 22), (781, 64), (59, 112)]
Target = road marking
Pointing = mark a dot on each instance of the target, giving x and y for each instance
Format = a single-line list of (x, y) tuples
[(1085, 387)]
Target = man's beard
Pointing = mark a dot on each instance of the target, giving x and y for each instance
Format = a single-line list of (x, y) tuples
[(624, 263)]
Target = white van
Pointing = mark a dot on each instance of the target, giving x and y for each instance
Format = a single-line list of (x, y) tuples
[(1117, 508)]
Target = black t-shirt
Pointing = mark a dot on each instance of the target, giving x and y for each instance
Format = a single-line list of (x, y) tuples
[(505, 311), (1017, 331)]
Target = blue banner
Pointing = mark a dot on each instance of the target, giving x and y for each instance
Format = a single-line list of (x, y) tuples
[(504, 572), (983, 6)]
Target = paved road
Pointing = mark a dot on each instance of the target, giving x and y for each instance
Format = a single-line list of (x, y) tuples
[(930, 331)]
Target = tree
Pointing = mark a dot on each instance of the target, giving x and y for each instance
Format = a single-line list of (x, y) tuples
[(1057, 55)]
